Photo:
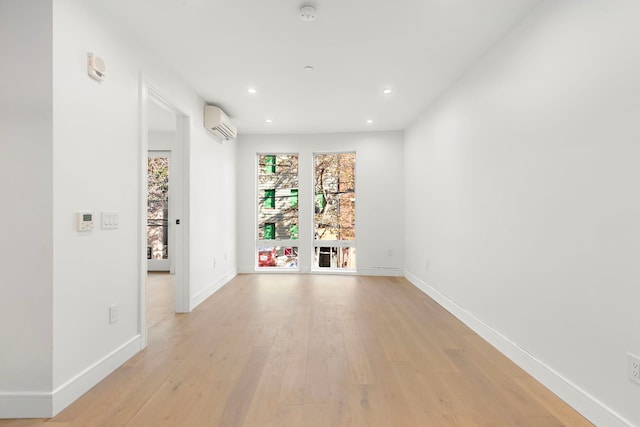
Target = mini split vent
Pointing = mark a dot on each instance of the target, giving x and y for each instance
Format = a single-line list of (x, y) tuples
[(219, 123)]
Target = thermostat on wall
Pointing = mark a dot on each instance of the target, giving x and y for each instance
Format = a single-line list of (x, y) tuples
[(84, 221)]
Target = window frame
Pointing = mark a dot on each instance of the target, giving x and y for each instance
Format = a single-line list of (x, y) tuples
[(338, 244), (276, 244)]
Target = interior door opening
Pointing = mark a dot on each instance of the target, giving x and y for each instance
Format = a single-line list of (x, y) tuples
[(164, 278)]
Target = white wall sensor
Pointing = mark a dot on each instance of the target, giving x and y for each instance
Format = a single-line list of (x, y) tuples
[(96, 67)]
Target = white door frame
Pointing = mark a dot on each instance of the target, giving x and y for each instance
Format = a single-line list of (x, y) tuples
[(180, 193)]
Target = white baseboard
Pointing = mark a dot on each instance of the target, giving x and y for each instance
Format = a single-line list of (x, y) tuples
[(365, 271), (35, 404), (41, 404), (303, 269), (67, 393), (246, 269), (273, 270), (591, 408), (380, 271), (210, 290)]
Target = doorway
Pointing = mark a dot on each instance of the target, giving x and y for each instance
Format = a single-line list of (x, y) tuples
[(163, 204)]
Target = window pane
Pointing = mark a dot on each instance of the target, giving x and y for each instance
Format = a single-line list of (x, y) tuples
[(331, 257), (277, 207), (335, 211), (158, 208), (335, 196), (278, 256)]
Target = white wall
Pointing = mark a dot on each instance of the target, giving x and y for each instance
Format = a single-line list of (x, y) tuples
[(70, 143), (96, 168), (213, 213), (522, 195), (162, 141), (379, 195), (25, 217)]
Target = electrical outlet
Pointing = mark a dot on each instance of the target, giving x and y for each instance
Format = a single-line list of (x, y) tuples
[(113, 313), (633, 365)]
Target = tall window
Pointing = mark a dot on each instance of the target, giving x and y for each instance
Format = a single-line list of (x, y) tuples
[(335, 211), (277, 240)]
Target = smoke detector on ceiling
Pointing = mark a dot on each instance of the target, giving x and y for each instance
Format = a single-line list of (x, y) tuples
[(307, 12)]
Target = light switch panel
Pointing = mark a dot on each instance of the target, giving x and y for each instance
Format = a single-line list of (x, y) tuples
[(110, 220)]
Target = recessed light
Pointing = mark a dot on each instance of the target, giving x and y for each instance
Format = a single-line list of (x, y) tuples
[(386, 91), (308, 68), (252, 90), (268, 121), (369, 121)]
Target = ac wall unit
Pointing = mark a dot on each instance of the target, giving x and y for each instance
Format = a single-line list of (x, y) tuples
[(219, 123)]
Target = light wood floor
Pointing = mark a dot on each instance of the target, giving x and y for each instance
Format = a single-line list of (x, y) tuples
[(298, 350)]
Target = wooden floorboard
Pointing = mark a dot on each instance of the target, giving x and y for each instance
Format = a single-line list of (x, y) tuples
[(304, 351)]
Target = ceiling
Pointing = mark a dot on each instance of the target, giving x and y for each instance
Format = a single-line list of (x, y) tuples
[(357, 48)]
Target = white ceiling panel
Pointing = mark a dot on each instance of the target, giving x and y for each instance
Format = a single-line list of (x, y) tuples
[(418, 48)]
